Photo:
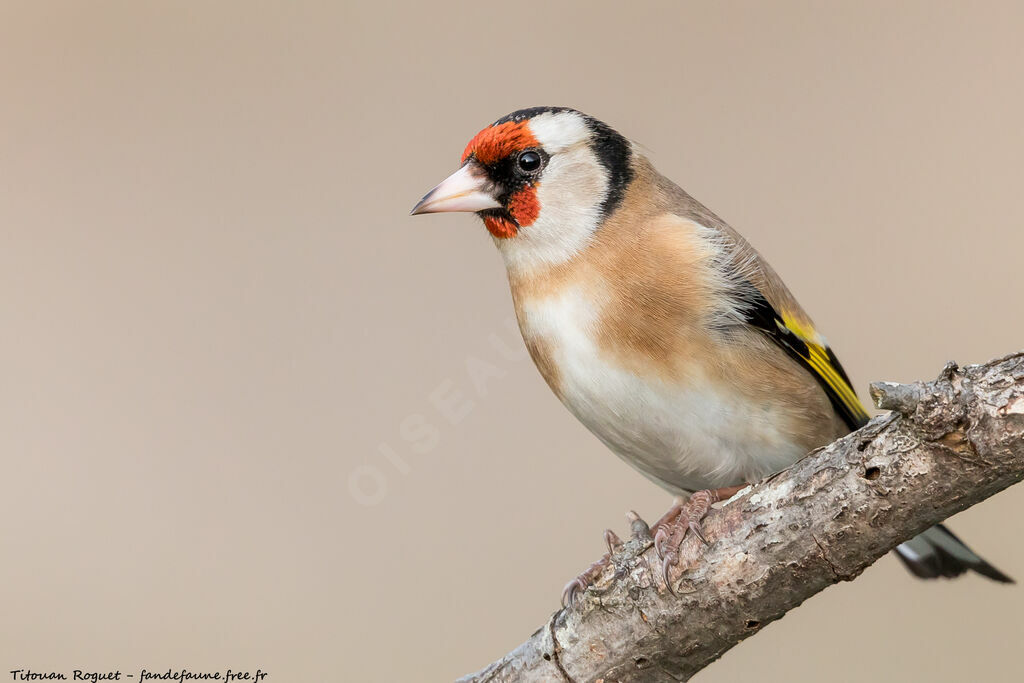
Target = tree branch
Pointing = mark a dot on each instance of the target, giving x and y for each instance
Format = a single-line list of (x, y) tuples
[(950, 444)]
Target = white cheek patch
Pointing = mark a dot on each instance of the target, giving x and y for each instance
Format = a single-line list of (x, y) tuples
[(570, 192)]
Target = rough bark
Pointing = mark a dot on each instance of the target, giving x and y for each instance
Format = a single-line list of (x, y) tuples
[(948, 444)]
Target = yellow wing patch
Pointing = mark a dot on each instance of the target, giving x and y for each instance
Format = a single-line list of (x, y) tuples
[(820, 359)]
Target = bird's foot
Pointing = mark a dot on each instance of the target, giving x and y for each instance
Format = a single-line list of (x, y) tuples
[(684, 518), (578, 585)]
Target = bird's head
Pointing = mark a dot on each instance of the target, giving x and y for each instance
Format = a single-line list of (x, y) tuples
[(542, 180)]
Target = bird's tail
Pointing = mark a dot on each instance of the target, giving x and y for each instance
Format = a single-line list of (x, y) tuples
[(938, 552)]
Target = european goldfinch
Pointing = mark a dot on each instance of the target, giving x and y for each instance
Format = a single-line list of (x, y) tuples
[(656, 324)]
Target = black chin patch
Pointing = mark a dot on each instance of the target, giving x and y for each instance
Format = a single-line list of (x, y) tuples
[(496, 213)]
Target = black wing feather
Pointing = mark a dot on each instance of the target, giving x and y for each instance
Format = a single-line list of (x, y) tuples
[(817, 359)]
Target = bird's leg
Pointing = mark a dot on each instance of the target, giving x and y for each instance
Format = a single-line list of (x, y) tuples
[(581, 582), (666, 519), (669, 535), (638, 529), (674, 522)]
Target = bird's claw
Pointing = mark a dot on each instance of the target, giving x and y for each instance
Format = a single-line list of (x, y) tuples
[(583, 581), (669, 532), (660, 538), (580, 584), (695, 527), (669, 561), (612, 540), (671, 529), (571, 589)]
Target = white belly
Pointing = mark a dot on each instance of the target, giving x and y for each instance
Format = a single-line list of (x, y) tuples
[(684, 435)]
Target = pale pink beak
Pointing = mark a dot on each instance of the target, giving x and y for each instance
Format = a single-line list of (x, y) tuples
[(468, 189)]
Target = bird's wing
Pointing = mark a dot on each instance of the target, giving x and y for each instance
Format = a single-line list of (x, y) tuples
[(796, 335), (761, 299), (755, 295)]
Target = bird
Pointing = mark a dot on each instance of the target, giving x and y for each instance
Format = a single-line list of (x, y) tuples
[(658, 325)]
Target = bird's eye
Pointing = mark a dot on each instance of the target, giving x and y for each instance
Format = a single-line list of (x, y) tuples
[(528, 161)]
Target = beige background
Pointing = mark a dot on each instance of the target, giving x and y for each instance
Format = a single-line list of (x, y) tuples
[(216, 310)]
